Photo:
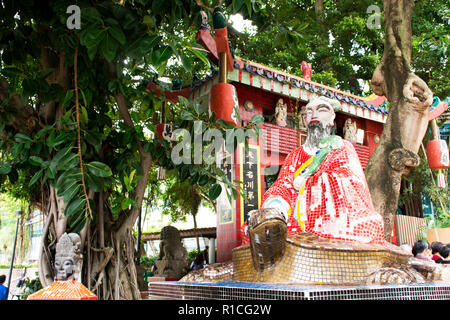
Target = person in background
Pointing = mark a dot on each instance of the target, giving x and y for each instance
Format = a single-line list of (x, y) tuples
[(3, 289), (444, 253), (205, 255), (420, 250), (435, 248), (197, 263), (200, 260)]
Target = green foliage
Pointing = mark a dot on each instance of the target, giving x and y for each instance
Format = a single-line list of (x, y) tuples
[(342, 49), (147, 261), (118, 47), (192, 254), (31, 286)]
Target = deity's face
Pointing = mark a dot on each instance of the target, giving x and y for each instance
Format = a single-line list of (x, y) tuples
[(321, 112), (64, 268)]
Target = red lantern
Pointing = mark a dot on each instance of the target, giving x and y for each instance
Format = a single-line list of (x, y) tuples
[(437, 154), (223, 101)]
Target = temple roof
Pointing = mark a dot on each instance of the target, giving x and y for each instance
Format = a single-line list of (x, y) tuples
[(372, 102), (251, 73)]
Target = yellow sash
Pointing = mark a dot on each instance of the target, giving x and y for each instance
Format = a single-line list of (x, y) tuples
[(300, 207)]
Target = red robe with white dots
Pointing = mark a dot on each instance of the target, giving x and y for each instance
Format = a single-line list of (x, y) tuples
[(336, 198)]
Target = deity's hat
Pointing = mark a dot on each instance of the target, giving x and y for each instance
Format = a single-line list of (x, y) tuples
[(334, 104), (64, 290)]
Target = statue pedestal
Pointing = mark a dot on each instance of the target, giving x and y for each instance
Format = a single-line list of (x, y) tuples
[(230, 290), (157, 279), (171, 268)]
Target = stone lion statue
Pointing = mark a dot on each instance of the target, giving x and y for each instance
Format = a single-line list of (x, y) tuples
[(172, 262)]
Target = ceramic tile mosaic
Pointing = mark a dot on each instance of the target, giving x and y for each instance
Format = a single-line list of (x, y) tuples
[(64, 290), (335, 202), (312, 260), (264, 291)]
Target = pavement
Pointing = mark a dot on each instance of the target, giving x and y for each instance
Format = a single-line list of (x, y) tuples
[(16, 273)]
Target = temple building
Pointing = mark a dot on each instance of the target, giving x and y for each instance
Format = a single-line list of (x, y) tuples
[(279, 98)]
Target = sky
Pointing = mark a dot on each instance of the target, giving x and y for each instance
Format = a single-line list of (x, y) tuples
[(205, 218)]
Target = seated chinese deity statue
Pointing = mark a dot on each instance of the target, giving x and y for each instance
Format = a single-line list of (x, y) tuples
[(317, 223)]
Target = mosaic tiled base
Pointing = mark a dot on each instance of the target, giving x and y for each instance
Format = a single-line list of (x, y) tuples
[(265, 291), (64, 290), (311, 260)]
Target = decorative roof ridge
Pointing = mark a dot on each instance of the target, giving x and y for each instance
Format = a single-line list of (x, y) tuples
[(372, 102)]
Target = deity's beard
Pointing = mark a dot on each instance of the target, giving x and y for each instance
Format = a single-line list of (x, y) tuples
[(316, 132)]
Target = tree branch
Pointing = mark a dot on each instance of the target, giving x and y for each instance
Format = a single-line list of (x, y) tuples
[(145, 160)]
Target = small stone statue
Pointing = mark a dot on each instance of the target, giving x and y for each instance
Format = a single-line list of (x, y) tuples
[(172, 262), (281, 113), (350, 130), (301, 120), (68, 258)]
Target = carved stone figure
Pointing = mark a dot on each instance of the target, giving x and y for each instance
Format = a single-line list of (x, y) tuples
[(68, 258), (301, 120), (350, 130), (172, 261), (281, 113)]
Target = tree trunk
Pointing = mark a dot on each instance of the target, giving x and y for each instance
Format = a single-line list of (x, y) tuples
[(409, 98)]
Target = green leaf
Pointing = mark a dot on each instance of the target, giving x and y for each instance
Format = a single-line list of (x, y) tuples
[(186, 115), (203, 180), (77, 222), (125, 203), (95, 139), (68, 98), (201, 54), (71, 192), (68, 178), (161, 55), (50, 173), (75, 206), (117, 34), (22, 137), (91, 52), (92, 37), (109, 48), (55, 139), (29, 87), (214, 191), (36, 177), (99, 169), (5, 168), (36, 161), (199, 109), (257, 119), (237, 4), (94, 183), (185, 61), (142, 46)]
